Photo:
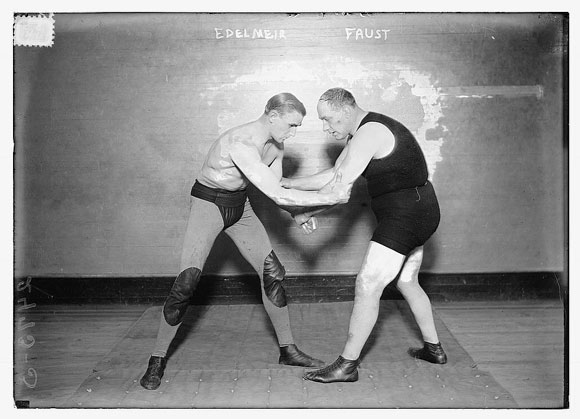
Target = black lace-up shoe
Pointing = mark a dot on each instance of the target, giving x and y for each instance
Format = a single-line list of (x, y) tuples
[(291, 355), (152, 378), (430, 352), (341, 370)]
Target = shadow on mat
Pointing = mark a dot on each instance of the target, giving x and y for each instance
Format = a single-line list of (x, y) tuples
[(190, 320), (381, 333)]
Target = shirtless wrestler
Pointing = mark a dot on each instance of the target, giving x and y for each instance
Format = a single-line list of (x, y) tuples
[(250, 153)]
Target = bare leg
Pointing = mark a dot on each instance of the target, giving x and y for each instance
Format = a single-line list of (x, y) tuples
[(380, 266), (408, 285)]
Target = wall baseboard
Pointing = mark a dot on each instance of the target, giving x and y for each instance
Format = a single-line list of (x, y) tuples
[(299, 289)]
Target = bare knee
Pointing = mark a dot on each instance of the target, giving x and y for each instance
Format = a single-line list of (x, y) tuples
[(372, 283), (411, 267), (407, 285), (412, 291), (380, 267)]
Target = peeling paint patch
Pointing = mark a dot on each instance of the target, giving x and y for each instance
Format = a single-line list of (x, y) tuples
[(224, 119), (478, 92), (281, 72), (430, 97), (339, 71), (330, 71)]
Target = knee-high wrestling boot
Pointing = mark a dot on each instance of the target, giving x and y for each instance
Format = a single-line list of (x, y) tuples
[(341, 370), (430, 352), (183, 288)]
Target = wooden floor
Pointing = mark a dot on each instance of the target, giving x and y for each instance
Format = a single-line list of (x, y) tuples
[(520, 343)]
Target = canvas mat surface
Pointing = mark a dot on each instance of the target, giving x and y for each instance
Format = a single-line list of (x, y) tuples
[(227, 357)]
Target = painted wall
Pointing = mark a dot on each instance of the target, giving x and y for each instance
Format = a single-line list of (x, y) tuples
[(113, 122)]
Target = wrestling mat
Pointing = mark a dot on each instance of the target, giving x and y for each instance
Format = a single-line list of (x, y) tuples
[(227, 357)]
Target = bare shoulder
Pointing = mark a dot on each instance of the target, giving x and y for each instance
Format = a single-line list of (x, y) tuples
[(372, 130), (375, 138), (240, 134)]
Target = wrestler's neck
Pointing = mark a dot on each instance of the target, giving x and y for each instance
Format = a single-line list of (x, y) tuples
[(357, 117), (262, 132)]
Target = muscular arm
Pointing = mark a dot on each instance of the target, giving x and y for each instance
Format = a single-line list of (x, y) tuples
[(369, 141), (248, 160), (352, 161), (309, 183), (314, 182), (317, 181), (276, 166)]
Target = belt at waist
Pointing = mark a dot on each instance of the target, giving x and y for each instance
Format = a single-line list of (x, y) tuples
[(219, 196), (402, 190)]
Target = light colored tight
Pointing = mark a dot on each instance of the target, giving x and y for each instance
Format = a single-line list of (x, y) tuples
[(204, 224)]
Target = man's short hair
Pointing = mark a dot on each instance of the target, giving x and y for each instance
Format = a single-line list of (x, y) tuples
[(338, 97), (285, 103)]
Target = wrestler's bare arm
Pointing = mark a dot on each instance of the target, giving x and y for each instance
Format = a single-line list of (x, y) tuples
[(276, 165), (314, 182), (317, 181), (248, 160), (372, 140), (309, 183)]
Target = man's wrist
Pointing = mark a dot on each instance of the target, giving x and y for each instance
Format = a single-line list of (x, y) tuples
[(286, 182)]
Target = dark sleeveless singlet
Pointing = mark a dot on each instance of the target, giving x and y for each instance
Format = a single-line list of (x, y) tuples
[(402, 198)]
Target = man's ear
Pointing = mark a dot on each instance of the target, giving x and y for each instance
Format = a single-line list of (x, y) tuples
[(274, 114), (347, 112)]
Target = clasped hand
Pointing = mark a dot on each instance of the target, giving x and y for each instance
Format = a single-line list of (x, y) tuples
[(307, 223)]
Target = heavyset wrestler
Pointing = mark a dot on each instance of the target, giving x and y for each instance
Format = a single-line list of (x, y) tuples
[(403, 200)]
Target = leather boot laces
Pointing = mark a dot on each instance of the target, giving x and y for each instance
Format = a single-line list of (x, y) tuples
[(336, 364)]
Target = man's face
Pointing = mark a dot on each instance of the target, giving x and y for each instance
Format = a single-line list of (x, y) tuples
[(334, 122), (284, 125)]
